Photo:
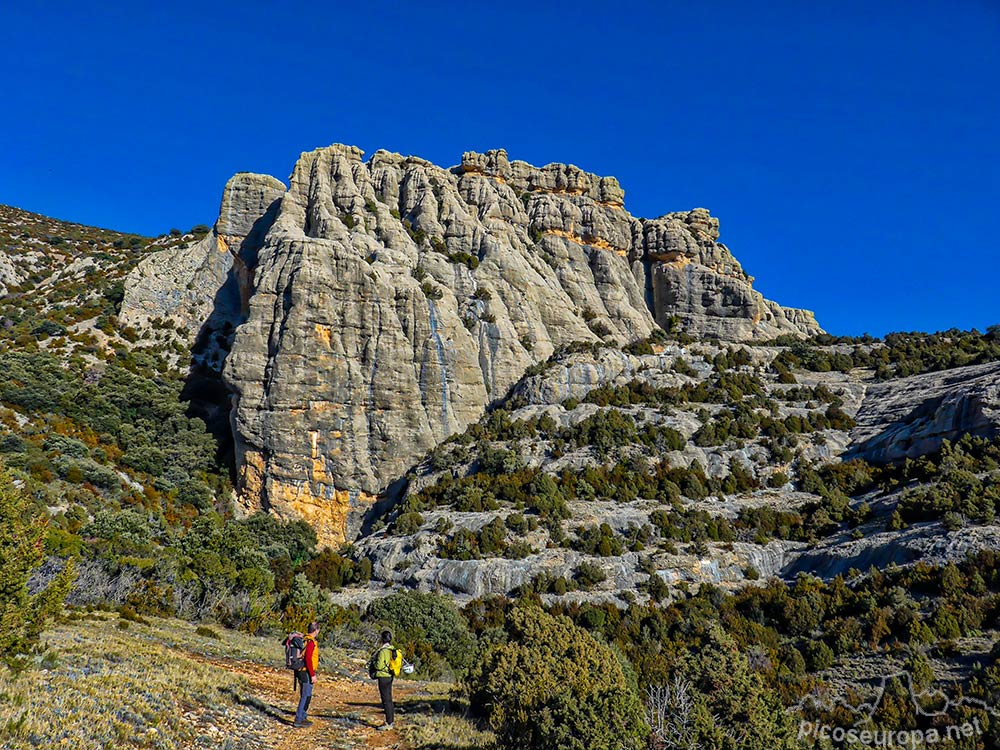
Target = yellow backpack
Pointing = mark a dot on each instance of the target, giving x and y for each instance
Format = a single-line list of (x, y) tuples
[(396, 662)]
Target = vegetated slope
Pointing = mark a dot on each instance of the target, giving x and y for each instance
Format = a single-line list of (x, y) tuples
[(648, 490), (63, 283), (93, 414), (94, 427), (133, 681), (613, 474)]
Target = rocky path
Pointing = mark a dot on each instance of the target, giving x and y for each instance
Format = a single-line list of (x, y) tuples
[(345, 708)]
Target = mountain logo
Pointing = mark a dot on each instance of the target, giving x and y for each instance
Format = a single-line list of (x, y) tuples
[(932, 703)]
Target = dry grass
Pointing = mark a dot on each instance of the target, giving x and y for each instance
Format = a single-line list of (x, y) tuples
[(112, 682), (103, 686), (435, 720)]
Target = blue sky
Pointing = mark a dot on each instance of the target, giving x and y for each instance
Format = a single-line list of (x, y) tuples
[(849, 148)]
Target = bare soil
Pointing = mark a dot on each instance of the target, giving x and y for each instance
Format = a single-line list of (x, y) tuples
[(345, 709)]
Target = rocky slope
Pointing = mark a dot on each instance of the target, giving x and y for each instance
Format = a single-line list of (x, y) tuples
[(385, 303), (754, 436), (910, 417), (565, 394), (378, 309), (61, 284)]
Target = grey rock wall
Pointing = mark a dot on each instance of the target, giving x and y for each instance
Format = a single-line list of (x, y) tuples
[(209, 282), (383, 304), (909, 417), (693, 277)]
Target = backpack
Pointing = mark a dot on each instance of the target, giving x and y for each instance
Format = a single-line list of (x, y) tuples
[(395, 662), (295, 652)]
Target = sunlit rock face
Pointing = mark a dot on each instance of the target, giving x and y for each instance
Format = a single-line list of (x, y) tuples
[(911, 417), (384, 304)]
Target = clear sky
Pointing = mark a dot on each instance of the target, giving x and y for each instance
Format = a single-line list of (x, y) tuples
[(850, 148)]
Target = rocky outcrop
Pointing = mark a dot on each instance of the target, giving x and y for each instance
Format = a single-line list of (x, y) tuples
[(910, 417), (411, 560), (694, 279), (929, 543), (574, 375), (387, 302), (9, 276), (200, 288)]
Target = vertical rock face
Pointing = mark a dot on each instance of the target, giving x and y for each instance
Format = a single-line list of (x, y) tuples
[(394, 300), (385, 303), (694, 278), (209, 283)]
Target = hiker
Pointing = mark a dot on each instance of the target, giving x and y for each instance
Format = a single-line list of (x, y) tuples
[(384, 671), (306, 677)]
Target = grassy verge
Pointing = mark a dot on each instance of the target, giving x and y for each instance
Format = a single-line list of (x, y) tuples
[(108, 682), (436, 720)]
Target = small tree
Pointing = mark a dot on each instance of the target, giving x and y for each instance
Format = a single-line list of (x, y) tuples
[(733, 708), (552, 685), (670, 712), (428, 626), (22, 550)]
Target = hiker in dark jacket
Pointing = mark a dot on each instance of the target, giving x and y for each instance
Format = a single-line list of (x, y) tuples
[(384, 675), (306, 677)]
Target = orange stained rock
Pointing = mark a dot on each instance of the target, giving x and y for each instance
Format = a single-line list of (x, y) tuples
[(597, 242), (319, 503), (323, 333), (467, 169)]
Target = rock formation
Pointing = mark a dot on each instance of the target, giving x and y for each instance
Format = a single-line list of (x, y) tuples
[(204, 286), (387, 302), (909, 417), (8, 273), (693, 277)]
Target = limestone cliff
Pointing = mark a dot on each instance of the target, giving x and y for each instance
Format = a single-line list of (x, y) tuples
[(385, 303), (206, 284), (694, 278)]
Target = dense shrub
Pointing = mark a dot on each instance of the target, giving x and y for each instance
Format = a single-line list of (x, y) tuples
[(332, 571), (406, 523), (898, 355), (428, 627), (550, 685), (732, 706), (23, 614), (588, 575)]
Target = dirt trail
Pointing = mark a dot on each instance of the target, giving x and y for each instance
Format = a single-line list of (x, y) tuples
[(345, 711)]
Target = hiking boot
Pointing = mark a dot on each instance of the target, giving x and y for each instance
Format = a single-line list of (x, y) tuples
[(384, 727), (301, 724)]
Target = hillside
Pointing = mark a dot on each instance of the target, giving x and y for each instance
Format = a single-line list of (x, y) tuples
[(63, 283), (132, 681), (431, 397)]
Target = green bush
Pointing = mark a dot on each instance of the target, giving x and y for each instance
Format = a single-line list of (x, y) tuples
[(23, 614), (128, 530), (588, 575), (553, 685), (428, 627), (819, 656), (332, 571), (406, 523), (733, 708)]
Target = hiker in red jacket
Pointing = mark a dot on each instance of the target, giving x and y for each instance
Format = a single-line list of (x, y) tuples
[(307, 676)]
